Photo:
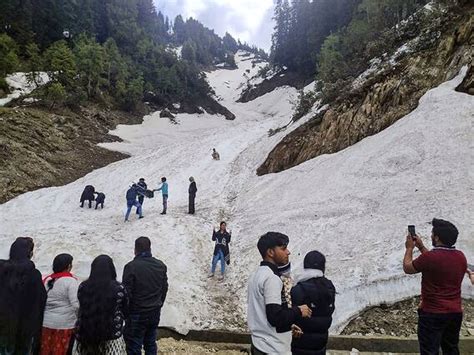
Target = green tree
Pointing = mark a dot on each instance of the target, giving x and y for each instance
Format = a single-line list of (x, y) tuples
[(331, 60), (55, 93), (8, 55), (188, 51), (60, 65), (90, 63), (35, 63)]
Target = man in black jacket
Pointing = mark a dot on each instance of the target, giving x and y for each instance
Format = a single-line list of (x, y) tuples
[(142, 187), (315, 290), (192, 194), (147, 284)]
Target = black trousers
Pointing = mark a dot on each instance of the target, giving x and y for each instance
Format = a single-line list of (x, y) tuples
[(192, 198), (90, 203), (439, 330), (97, 204), (255, 351)]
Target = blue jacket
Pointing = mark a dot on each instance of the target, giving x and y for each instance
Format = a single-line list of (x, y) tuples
[(163, 188)]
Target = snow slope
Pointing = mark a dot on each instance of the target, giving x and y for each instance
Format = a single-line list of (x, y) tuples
[(353, 205), (19, 85)]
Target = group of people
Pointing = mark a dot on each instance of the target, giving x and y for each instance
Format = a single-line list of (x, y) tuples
[(288, 312), (89, 195), (291, 314), (59, 315)]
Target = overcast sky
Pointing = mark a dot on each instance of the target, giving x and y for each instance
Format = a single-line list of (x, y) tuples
[(249, 20)]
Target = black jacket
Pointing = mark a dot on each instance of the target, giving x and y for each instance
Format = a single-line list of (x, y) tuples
[(88, 193), (192, 188), (22, 302), (319, 294), (100, 197), (146, 282)]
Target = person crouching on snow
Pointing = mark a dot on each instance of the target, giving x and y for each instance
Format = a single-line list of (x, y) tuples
[(221, 249)]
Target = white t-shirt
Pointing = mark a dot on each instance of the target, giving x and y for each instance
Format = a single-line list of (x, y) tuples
[(62, 304), (265, 288)]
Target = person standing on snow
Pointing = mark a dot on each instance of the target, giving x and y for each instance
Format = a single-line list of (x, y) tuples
[(131, 197), (141, 190), (192, 195), (164, 192), (221, 249)]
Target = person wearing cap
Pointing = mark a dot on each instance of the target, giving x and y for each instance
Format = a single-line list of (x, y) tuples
[(192, 195), (269, 319), (142, 187), (311, 285), (442, 271)]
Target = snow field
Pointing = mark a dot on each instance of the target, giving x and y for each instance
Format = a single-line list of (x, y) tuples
[(353, 205)]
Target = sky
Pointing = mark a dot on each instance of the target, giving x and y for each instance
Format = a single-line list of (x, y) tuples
[(247, 20)]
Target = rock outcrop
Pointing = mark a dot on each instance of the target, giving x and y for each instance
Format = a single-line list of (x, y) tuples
[(383, 98)]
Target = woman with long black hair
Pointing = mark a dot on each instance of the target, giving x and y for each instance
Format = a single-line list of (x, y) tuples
[(60, 314), (22, 300), (103, 306)]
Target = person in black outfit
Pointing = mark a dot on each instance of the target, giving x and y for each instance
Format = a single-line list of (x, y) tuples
[(147, 285), (192, 195), (314, 289), (221, 249), (142, 187), (87, 194), (99, 200), (22, 301), (103, 306)]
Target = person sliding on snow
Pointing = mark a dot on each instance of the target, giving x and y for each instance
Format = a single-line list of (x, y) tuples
[(164, 193), (221, 250), (215, 155), (131, 197)]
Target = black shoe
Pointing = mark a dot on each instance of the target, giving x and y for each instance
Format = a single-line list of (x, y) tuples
[(163, 213), (141, 217)]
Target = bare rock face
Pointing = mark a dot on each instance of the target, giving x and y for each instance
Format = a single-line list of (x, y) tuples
[(384, 98)]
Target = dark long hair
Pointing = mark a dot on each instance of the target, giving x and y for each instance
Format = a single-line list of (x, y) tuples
[(60, 264), (22, 249), (97, 304)]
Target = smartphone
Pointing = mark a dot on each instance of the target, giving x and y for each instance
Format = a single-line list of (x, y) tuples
[(411, 230)]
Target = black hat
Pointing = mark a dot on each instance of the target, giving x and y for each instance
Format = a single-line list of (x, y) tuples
[(141, 179), (314, 260)]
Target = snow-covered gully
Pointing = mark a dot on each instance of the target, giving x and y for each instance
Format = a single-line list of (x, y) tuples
[(353, 205)]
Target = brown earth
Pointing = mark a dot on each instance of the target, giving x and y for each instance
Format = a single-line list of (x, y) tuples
[(386, 96), (39, 148), (400, 319)]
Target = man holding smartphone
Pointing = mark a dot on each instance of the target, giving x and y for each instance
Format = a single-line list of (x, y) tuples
[(442, 268)]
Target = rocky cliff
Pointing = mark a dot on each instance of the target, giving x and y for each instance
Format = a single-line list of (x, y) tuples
[(384, 95)]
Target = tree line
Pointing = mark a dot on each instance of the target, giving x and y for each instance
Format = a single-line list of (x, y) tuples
[(113, 50), (334, 39)]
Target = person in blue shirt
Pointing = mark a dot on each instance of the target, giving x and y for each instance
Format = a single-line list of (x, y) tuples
[(164, 192), (131, 197)]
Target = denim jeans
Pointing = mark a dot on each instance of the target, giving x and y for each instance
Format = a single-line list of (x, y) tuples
[(165, 203), (215, 259), (141, 330), (129, 208), (435, 330)]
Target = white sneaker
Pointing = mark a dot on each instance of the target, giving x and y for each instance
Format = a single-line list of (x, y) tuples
[(210, 275), (221, 278)]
